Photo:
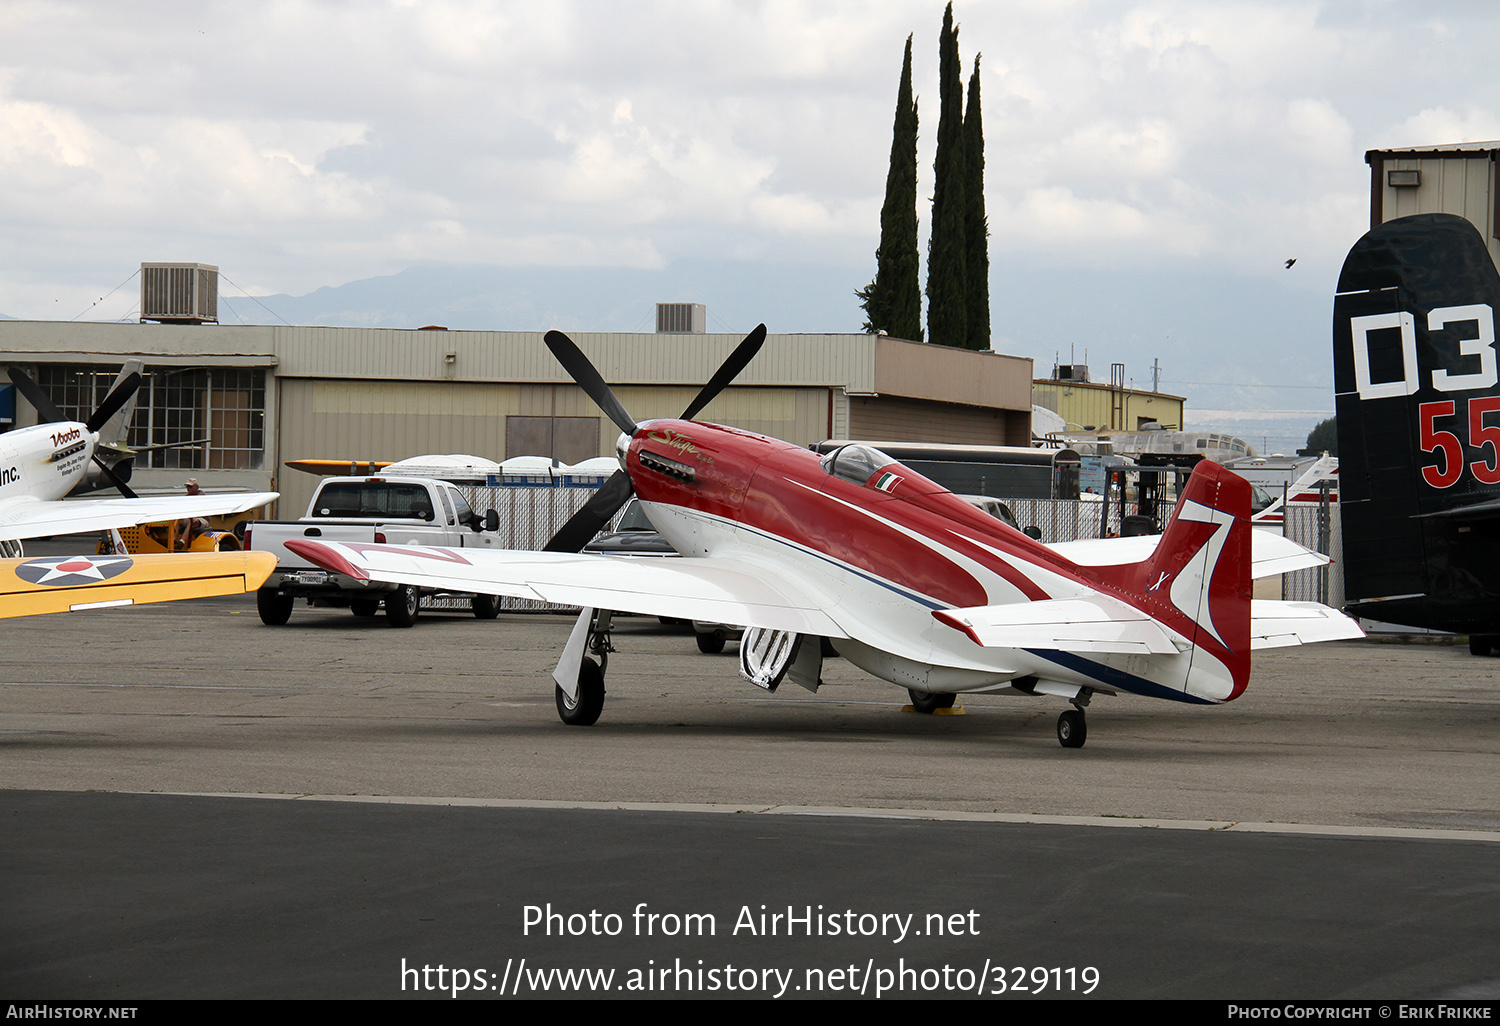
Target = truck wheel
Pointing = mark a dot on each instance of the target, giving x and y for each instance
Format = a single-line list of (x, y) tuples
[(486, 607), (275, 609), (401, 606), (364, 607)]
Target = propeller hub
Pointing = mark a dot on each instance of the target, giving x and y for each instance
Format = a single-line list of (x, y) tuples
[(622, 449)]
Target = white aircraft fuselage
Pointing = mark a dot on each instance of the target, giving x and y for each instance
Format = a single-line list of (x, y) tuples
[(44, 462)]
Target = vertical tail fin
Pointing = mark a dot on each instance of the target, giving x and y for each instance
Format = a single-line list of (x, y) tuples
[(116, 430), (1417, 390), (1198, 581)]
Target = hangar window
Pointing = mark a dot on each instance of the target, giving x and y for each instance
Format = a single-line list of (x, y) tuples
[(212, 417)]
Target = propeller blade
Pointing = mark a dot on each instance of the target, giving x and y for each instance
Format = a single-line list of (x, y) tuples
[(49, 412), (578, 367), (115, 479), (728, 370), (112, 402), (596, 513)]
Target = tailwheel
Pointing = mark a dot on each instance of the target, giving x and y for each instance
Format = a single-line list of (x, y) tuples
[(930, 701), (1072, 729), (1480, 644), (583, 710)]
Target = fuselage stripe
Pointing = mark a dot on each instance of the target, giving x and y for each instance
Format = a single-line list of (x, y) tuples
[(1117, 678)]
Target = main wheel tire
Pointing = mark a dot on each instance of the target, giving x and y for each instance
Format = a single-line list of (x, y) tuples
[(930, 701), (401, 606), (1072, 729), (1480, 644), (486, 607), (275, 609), (710, 644), (364, 607), (584, 710)]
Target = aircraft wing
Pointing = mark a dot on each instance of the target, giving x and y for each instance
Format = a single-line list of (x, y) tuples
[(1270, 554), (1277, 624), (1096, 623), (718, 590), (58, 584), (36, 518)]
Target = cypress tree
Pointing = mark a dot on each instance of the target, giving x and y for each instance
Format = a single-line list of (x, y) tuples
[(946, 277), (976, 224), (893, 301)]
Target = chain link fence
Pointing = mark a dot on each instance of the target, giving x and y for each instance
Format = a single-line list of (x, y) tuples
[(1062, 520), (529, 517), (1321, 529)]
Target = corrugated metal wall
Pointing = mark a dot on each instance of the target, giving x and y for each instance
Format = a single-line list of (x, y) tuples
[(885, 418), (1085, 405), (393, 420), (1450, 185)]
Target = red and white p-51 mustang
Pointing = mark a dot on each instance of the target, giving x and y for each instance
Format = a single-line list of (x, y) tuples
[(904, 579)]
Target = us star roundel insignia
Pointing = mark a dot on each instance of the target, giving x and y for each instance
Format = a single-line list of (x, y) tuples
[(59, 571)]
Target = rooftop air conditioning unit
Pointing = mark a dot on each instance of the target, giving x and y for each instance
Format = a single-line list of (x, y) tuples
[(180, 293), (684, 317), (1072, 372)]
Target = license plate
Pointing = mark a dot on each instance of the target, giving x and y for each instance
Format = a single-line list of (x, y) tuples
[(308, 577)]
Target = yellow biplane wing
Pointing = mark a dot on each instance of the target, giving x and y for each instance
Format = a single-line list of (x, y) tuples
[(59, 584)]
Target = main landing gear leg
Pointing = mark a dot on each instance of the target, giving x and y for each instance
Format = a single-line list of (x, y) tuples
[(580, 679), (1072, 728)]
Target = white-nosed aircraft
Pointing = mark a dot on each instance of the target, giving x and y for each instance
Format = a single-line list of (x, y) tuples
[(904, 579), (40, 465)]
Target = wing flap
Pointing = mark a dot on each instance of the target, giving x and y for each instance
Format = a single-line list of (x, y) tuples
[(1278, 624), (29, 587), (718, 590), (1097, 624)]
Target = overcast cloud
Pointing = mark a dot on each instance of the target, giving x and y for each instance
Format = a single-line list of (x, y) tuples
[(301, 144)]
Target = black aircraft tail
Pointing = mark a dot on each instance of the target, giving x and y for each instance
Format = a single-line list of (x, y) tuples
[(1418, 402)]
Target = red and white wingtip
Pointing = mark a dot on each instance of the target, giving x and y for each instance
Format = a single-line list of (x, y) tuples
[(320, 554)]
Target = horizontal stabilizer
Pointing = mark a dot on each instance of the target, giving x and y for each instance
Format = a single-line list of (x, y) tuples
[(1487, 510), (1270, 554), (1277, 624), (1095, 624)]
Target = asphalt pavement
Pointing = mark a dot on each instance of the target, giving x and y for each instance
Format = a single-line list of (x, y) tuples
[(197, 805)]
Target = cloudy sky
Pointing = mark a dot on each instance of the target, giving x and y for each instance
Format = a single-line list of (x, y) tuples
[(1182, 147)]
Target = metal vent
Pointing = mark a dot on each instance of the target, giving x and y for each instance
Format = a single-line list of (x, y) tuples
[(685, 317), (180, 293)]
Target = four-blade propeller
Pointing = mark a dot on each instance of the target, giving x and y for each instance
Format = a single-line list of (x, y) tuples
[(50, 414), (616, 492)]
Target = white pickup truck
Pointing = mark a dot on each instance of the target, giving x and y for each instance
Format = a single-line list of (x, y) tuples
[(380, 510)]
